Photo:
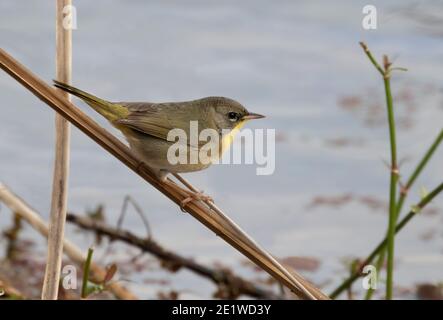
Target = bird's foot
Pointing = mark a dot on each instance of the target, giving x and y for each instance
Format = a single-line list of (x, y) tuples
[(195, 196)]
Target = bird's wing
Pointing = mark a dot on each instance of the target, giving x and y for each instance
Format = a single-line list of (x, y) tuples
[(147, 118), (157, 119)]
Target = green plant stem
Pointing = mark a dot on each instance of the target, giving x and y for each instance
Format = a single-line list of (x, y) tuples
[(378, 267), (393, 187), (383, 243), (425, 160), (86, 268), (417, 171), (404, 193), (372, 59), (386, 74)]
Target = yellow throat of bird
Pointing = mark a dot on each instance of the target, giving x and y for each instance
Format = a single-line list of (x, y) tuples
[(229, 138)]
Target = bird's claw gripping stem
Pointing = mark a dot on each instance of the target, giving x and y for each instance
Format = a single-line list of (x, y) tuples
[(195, 196)]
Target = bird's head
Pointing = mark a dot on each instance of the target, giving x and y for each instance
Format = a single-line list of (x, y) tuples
[(229, 114)]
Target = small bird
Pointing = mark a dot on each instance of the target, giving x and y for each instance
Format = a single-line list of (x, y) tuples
[(146, 125)]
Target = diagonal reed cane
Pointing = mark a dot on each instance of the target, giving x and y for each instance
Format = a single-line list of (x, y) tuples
[(215, 220)]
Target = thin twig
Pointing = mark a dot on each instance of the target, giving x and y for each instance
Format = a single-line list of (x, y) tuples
[(61, 164), (98, 273), (235, 284), (128, 199), (424, 161), (197, 209)]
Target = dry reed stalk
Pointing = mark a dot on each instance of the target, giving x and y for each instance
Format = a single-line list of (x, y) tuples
[(98, 273), (61, 163), (213, 219)]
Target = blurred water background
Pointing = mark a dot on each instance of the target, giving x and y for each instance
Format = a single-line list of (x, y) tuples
[(299, 63)]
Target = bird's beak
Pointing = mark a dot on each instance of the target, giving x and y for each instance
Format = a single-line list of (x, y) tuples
[(252, 116)]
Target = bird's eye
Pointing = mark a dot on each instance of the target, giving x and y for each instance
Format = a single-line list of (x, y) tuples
[(233, 116)]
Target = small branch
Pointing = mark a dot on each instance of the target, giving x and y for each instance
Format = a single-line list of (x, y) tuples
[(128, 199), (417, 171), (233, 283), (61, 164), (424, 161), (98, 273), (399, 69), (383, 243)]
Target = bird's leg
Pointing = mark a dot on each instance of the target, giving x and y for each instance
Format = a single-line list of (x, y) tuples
[(194, 194), (162, 175)]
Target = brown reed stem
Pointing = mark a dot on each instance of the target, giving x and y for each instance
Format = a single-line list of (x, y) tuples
[(61, 163)]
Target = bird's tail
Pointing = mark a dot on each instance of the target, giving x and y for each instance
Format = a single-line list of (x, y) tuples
[(109, 110)]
